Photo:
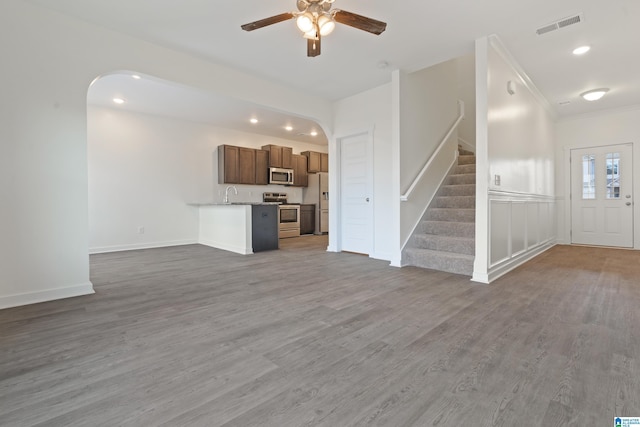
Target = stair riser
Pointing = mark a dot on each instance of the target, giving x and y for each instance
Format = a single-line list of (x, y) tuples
[(441, 262), (466, 160), (445, 244), (461, 179), (456, 229), (458, 190), (462, 169), (460, 202), (455, 215)]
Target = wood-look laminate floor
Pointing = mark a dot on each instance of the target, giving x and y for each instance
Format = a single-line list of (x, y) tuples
[(194, 336)]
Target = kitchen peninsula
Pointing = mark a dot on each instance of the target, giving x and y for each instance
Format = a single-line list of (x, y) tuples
[(240, 227)]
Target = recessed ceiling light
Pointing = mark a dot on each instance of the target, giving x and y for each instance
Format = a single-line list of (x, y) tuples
[(254, 120), (288, 128), (119, 100), (135, 76), (595, 94), (313, 133), (581, 50)]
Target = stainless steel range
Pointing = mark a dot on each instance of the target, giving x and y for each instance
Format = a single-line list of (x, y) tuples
[(288, 215)]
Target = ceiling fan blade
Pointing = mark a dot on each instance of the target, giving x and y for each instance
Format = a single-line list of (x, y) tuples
[(360, 22), (313, 47), (267, 21)]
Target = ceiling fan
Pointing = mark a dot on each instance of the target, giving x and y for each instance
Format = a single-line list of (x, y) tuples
[(316, 19)]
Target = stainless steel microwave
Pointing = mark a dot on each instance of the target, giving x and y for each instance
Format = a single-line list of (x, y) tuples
[(280, 176)]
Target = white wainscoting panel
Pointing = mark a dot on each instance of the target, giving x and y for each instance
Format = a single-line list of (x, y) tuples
[(518, 236), (533, 218), (521, 227), (500, 231)]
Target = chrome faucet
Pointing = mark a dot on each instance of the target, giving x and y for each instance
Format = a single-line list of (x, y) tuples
[(226, 193)]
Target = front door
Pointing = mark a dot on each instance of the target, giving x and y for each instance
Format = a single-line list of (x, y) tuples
[(601, 196), (356, 185)]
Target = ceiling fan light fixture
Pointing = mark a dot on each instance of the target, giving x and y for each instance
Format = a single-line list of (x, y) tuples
[(316, 19), (305, 22), (312, 34), (326, 24)]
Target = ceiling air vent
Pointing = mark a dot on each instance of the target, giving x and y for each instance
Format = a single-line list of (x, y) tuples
[(561, 23)]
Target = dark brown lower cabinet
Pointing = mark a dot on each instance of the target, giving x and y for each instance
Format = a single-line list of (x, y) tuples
[(307, 219)]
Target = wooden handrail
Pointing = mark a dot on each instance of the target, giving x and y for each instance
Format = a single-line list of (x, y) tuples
[(407, 194)]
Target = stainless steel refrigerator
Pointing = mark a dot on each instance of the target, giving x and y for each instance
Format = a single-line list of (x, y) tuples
[(317, 193)]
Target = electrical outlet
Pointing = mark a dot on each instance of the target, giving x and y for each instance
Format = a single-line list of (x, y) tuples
[(497, 179), (141, 230)]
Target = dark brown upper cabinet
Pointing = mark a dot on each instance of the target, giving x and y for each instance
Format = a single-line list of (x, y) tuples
[(313, 161), (279, 156), (238, 165), (262, 167), (316, 162), (300, 178), (247, 165), (324, 162)]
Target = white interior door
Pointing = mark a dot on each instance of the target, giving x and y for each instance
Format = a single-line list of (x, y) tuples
[(601, 196), (356, 192)]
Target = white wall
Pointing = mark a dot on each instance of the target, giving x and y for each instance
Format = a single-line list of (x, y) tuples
[(592, 130), (515, 218), (144, 169), (428, 108), (466, 68), (48, 62), (369, 111)]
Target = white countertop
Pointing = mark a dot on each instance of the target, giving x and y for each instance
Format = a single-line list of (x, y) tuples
[(231, 204)]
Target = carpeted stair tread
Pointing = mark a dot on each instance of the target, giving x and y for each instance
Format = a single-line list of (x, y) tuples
[(441, 261), (466, 160), (449, 228), (463, 169), (459, 179), (460, 245), (448, 214), (462, 202), (458, 190)]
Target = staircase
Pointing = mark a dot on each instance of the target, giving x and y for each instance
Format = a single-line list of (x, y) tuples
[(445, 239)]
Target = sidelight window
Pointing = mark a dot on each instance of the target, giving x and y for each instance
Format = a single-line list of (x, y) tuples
[(589, 176), (613, 175)]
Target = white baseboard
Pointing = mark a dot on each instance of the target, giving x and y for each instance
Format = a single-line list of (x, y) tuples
[(226, 247), (480, 278), (502, 269), (48, 295), (384, 256), (136, 246)]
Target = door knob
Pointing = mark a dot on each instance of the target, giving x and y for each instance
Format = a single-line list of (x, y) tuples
[(628, 196), (628, 203)]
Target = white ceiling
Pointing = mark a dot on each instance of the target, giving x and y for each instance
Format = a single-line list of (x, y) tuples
[(419, 34), (155, 96)]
